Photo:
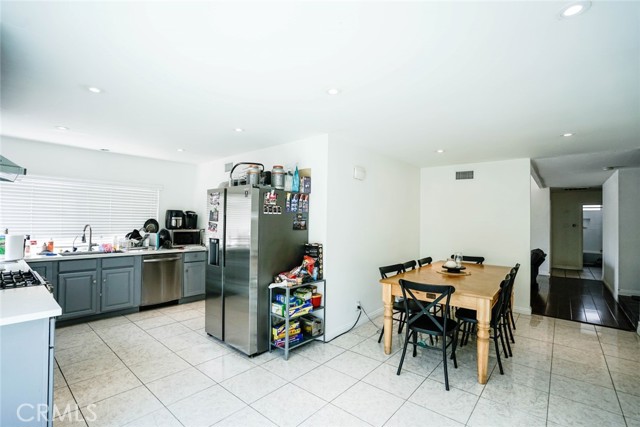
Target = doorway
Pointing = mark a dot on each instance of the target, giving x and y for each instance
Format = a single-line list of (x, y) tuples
[(592, 239)]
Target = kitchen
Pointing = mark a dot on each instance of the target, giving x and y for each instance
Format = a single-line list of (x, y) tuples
[(357, 220)]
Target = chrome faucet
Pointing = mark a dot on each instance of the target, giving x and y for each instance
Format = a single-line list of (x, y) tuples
[(84, 238)]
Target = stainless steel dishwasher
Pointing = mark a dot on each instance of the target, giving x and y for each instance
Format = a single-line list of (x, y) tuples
[(161, 278)]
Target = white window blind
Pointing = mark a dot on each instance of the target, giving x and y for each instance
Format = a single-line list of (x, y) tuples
[(47, 207)]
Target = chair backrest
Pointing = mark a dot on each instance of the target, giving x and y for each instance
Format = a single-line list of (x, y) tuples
[(469, 258), (425, 261), (441, 292), (393, 269), (503, 300), (513, 273), (409, 265)]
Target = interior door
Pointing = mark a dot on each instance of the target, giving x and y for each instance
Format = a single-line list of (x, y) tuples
[(566, 232)]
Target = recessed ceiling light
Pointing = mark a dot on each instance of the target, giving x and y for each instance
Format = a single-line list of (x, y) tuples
[(574, 9), (239, 130), (94, 89), (333, 91), (180, 150), (440, 151), (567, 134), (62, 128), (104, 149)]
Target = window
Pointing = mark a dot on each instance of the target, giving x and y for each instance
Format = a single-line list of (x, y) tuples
[(59, 208)]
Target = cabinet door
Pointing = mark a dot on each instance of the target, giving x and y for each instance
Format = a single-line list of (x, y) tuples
[(117, 289), (78, 294), (194, 281)]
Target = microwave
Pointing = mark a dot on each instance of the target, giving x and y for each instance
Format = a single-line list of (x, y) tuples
[(183, 236)]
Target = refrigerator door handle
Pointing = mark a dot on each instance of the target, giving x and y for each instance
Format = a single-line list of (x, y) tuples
[(214, 252)]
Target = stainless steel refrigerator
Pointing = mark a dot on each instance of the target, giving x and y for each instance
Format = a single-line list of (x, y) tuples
[(252, 235)]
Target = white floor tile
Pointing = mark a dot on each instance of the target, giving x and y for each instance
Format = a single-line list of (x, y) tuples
[(320, 352), (589, 394), (159, 367), (253, 384), (272, 407), (246, 417), (180, 385), (168, 330), (202, 353), (181, 316), (159, 418), (630, 405), (326, 383), (91, 368), (122, 409), (353, 364), (69, 419), (154, 322), (206, 407), (569, 413), (499, 414), (104, 386), (502, 389), (291, 369), (372, 349), (385, 378), (369, 403), (332, 416), (411, 414), (455, 403), (225, 367)]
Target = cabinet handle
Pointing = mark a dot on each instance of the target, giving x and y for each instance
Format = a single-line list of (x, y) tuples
[(95, 281)]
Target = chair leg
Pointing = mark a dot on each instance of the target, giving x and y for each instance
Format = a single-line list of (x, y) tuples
[(415, 343), (444, 362), (401, 322), (508, 323), (381, 334), (506, 337), (404, 351), (504, 347), (513, 322), (453, 350), (495, 341)]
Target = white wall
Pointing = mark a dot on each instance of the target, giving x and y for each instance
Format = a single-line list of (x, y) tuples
[(629, 231), (592, 223), (371, 223), (40, 158), (610, 236), (307, 153), (541, 222), (488, 216)]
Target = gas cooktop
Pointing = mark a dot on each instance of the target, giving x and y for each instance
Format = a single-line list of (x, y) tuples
[(18, 279)]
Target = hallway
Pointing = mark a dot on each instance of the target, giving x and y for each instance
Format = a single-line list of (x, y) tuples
[(578, 296)]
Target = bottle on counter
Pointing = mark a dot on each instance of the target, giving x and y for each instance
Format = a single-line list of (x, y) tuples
[(295, 185), (27, 244), (50, 245), (277, 177)]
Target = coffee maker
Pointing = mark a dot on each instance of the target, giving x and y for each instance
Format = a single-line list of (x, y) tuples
[(190, 220), (174, 219)]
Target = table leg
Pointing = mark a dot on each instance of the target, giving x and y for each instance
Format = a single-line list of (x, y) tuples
[(484, 317), (387, 300)]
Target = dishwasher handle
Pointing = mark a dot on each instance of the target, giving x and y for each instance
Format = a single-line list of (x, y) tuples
[(161, 259)]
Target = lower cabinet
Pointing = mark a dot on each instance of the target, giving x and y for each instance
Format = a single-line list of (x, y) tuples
[(194, 272), (78, 294), (117, 289), (87, 287)]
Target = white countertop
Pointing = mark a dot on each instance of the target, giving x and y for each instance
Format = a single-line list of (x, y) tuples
[(25, 304), (98, 254)]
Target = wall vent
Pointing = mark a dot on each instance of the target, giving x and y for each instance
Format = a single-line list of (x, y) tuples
[(464, 175)]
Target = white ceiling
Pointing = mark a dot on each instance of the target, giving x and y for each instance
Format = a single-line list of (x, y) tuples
[(482, 80)]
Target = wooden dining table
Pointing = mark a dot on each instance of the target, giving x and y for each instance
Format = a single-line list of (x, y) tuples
[(477, 289)]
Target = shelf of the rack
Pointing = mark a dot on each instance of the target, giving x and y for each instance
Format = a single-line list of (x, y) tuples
[(305, 340), (282, 285), (295, 316)]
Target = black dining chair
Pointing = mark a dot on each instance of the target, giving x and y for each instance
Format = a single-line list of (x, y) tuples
[(423, 320), (409, 265), (469, 258), (468, 319), (509, 310), (425, 261), (398, 305)]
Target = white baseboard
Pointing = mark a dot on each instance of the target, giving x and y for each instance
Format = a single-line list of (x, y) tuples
[(334, 332), (522, 310), (629, 292)]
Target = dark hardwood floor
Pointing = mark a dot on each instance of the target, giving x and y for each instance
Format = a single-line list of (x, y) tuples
[(580, 300)]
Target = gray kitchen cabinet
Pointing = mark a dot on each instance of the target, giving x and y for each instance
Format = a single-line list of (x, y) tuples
[(117, 289), (49, 271), (194, 272), (78, 293)]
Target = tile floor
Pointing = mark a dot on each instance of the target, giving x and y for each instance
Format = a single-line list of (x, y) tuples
[(159, 368)]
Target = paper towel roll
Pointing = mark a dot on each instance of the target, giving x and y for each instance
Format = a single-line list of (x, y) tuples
[(14, 247)]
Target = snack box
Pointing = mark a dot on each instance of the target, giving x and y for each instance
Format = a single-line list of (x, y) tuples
[(293, 339), (278, 331), (282, 298), (280, 309), (311, 325), (303, 293)]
